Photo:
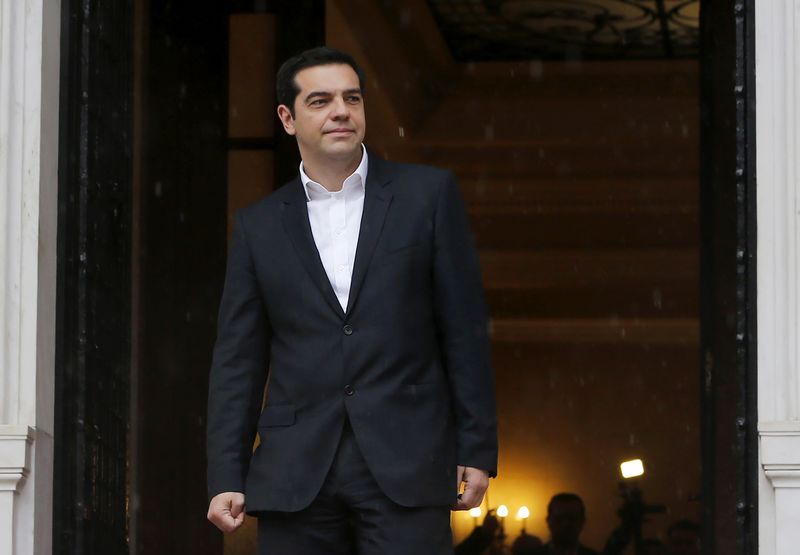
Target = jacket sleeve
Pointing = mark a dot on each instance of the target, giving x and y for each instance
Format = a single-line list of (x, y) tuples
[(238, 371), (463, 328)]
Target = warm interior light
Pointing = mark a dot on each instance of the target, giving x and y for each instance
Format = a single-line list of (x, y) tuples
[(523, 513), (475, 512), (502, 511), (632, 469)]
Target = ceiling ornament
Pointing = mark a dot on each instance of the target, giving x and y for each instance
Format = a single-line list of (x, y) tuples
[(498, 30)]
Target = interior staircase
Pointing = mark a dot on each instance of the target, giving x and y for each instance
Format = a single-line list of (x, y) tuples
[(581, 181)]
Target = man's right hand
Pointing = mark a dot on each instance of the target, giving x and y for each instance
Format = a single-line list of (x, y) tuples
[(226, 511)]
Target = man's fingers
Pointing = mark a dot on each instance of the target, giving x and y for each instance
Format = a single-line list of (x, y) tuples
[(237, 507), (223, 520), (473, 495), (237, 512), (475, 484), (459, 477), (469, 499), (239, 520), (226, 523), (226, 511)]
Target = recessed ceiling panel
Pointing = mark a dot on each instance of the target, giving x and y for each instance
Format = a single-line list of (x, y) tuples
[(494, 30)]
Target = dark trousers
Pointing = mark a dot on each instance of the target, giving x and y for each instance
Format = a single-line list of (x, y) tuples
[(351, 515)]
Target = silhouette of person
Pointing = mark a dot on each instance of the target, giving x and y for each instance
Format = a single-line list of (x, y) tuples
[(566, 516), (526, 544), (481, 538)]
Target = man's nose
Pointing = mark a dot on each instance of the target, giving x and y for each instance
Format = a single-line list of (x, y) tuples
[(339, 109)]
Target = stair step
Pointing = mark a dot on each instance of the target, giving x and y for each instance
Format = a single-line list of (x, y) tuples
[(612, 194), (512, 360), (566, 160), (645, 331), (522, 227), (566, 268), (474, 121), (666, 300)]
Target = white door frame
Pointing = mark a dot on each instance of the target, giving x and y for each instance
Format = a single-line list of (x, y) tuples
[(29, 92), (778, 214)]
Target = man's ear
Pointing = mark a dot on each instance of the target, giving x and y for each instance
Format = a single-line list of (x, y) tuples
[(286, 118)]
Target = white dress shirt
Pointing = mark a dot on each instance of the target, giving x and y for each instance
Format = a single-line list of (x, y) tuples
[(335, 219)]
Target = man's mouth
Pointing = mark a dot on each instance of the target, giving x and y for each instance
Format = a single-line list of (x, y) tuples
[(339, 131)]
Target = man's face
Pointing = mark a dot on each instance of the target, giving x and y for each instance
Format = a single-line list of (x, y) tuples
[(565, 522), (328, 113)]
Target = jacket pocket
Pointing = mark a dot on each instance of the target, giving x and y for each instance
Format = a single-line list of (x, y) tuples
[(277, 415), (427, 388), (393, 249)]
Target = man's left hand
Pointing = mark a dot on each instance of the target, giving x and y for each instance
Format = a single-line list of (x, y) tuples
[(475, 481)]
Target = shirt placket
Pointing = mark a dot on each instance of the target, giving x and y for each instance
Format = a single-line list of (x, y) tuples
[(338, 219)]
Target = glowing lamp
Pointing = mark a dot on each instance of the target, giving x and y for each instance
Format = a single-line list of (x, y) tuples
[(502, 511), (632, 469), (475, 512), (522, 514)]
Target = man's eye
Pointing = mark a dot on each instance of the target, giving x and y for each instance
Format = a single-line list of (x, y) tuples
[(354, 99), (317, 102)]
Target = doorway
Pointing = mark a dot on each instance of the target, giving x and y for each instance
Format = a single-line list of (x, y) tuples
[(604, 238)]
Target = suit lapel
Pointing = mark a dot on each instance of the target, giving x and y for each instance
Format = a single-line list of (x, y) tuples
[(376, 202), (298, 227)]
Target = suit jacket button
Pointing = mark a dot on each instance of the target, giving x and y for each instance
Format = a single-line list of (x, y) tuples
[(347, 329), (348, 389)]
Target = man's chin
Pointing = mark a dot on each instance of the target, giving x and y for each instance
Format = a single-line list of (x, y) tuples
[(342, 150)]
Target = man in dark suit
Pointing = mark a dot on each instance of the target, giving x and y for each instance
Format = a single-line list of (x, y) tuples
[(355, 291)]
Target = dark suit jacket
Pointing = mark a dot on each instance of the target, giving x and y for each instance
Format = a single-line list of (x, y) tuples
[(407, 362)]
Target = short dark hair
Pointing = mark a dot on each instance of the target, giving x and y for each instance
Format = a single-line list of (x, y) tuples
[(285, 85), (566, 497)]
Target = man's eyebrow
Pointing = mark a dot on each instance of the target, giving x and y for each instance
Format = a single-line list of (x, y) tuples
[(327, 94), (314, 94)]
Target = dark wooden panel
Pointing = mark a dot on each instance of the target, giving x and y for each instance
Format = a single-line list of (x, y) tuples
[(183, 242), (728, 280), (93, 323)]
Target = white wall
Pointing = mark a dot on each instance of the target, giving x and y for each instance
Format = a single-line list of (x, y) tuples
[(778, 220), (29, 77)]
